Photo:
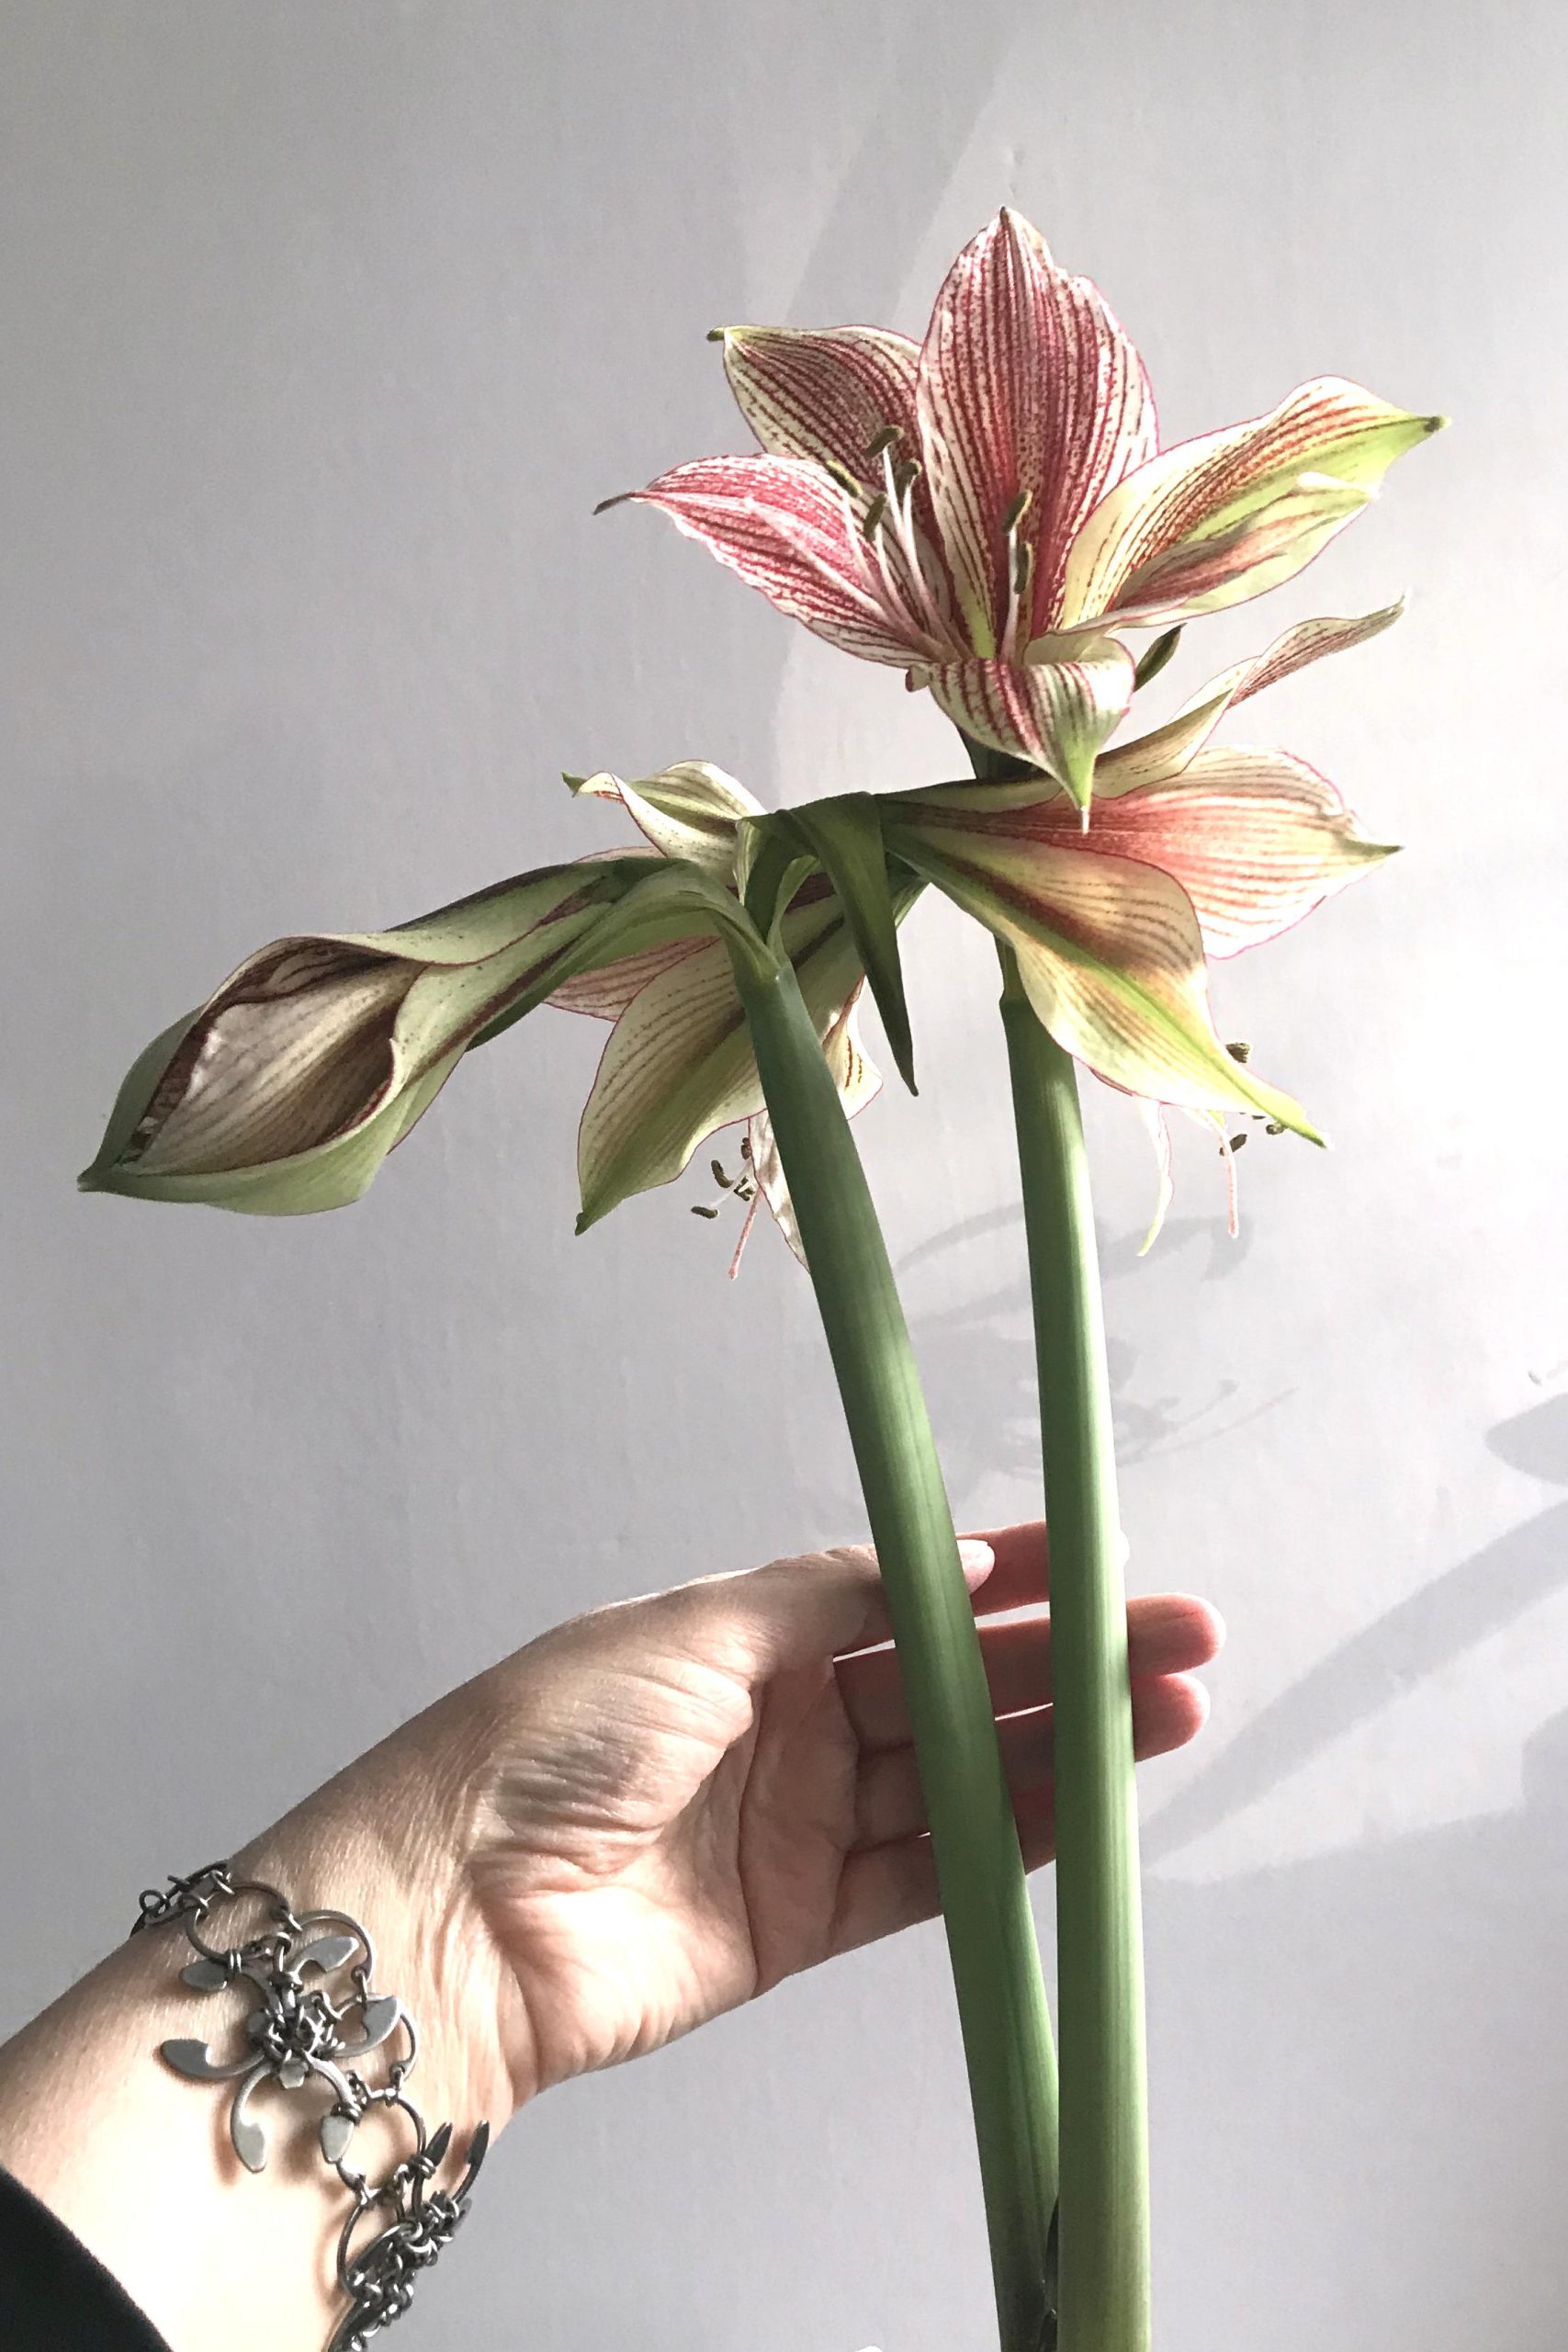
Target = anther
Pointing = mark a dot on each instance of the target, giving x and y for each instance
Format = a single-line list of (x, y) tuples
[(1239, 1051), (874, 514), (1015, 513), (1275, 1127), (701, 1209), (1022, 566), (906, 476), (889, 439), (842, 475), (1237, 1140)]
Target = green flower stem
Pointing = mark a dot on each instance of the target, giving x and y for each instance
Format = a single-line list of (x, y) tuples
[(990, 1930), (1103, 2252)]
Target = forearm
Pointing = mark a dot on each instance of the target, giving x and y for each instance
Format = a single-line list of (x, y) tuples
[(137, 2160)]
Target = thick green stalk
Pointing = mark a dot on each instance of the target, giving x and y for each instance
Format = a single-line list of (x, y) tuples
[(1103, 2250), (990, 1931)]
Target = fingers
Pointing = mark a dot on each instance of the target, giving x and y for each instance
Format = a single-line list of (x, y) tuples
[(1019, 1574), (886, 1887), (791, 1613), (1004, 1566), (1167, 1634), (1168, 1711)]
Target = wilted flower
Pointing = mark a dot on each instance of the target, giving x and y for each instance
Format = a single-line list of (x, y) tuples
[(987, 509)]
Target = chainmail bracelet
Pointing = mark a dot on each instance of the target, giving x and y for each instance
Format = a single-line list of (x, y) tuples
[(296, 2032)]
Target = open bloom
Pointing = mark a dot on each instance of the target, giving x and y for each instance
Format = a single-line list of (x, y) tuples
[(1197, 852), (987, 508)]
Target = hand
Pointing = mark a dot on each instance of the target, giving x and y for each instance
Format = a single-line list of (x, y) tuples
[(642, 1819), (668, 1806)]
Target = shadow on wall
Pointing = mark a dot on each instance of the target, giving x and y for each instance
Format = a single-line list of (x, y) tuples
[(1353, 2173), (978, 1359), (1413, 1640), (1390, 2192)]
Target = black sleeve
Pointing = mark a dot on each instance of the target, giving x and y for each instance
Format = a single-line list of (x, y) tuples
[(55, 2297)]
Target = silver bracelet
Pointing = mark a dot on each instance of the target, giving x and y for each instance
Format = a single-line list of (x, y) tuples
[(297, 2033)]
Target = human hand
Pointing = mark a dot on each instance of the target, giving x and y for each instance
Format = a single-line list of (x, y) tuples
[(659, 1810), (642, 1819)]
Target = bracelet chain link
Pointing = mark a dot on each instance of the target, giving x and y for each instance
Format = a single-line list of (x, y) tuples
[(299, 2032)]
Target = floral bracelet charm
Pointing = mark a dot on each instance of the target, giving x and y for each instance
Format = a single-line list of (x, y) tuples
[(314, 2017)]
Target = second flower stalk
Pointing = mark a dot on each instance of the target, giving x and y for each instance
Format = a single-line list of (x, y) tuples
[(1069, 2234)]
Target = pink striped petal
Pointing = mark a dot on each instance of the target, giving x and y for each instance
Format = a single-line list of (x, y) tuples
[(1167, 751), (1110, 955), (678, 1064), (692, 811), (1027, 388), (828, 393), (606, 993), (1307, 643), (1053, 713), (1255, 839), (1228, 515), (789, 530)]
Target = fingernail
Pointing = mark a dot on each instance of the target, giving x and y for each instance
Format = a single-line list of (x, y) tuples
[(976, 1555)]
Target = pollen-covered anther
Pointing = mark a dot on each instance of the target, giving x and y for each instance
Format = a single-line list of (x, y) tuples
[(874, 514), (1021, 574), (889, 439)]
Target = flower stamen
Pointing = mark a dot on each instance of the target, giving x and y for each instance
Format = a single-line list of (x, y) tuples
[(1021, 575)]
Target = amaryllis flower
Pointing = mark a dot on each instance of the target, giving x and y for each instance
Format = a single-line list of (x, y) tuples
[(286, 1091), (678, 1065), (987, 508), (284, 1094), (1196, 853)]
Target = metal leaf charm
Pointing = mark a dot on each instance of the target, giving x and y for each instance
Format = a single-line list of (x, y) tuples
[(336, 2134), (195, 2059), (327, 1952), (203, 1976), (250, 2140), (381, 2017)]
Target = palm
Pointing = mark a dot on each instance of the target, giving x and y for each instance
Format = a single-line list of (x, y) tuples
[(698, 1795)]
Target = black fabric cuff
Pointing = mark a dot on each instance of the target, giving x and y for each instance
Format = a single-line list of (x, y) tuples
[(54, 2295)]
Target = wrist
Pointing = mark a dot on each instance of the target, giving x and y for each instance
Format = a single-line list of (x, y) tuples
[(388, 1842), (203, 2247)]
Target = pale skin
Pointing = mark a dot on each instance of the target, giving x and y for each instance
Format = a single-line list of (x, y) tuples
[(638, 1822)]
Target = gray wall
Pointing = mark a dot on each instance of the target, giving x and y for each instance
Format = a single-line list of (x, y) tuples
[(325, 324)]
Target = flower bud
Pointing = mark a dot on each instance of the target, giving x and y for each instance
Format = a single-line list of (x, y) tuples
[(286, 1091)]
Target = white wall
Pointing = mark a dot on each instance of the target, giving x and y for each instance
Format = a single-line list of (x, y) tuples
[(326, 323)]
